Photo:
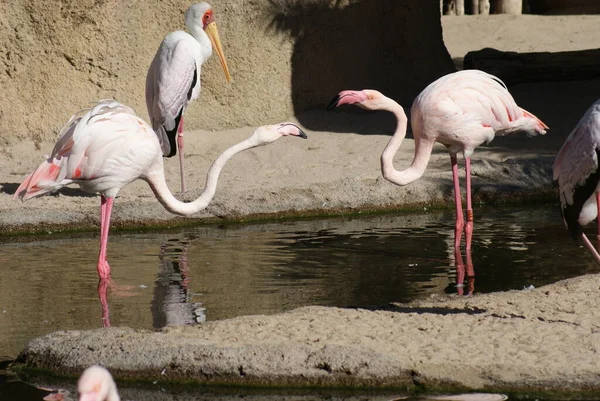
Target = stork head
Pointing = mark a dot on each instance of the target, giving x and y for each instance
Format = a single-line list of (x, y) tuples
[(97, 384), (270, 133), (201, 14), (367, 99)]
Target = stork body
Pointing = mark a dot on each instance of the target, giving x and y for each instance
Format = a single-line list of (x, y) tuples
[(173, 79), (576, 170)]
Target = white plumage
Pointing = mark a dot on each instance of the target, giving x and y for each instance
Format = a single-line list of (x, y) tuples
[(576, 170), (173, 79), (108, 146)]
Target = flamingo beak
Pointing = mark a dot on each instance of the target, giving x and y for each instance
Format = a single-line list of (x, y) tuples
[(347, 97), (292, 129), (213, 34)]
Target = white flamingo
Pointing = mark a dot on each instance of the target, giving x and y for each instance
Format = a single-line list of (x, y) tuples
[(461, 110), (578, 176), (97, 384), (173, 79), (109, 146)]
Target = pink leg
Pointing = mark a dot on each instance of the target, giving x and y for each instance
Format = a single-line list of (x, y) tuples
[(105, 211), (470, 274), (460, 271), (469, 226), (103, 295), (458, 228), (589, 245), (180, 149)]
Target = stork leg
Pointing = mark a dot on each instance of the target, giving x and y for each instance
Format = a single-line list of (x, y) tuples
[(589, 245), (598, 220), (103, 295), (180, 149), (469, 225), (460, 222), (105, 211)]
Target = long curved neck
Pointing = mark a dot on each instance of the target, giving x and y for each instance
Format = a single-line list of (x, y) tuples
[(422, 151), (156, 180)]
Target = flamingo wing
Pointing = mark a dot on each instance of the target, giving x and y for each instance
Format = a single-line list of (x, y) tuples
[(476, 99), (102, 150), (172, 81)]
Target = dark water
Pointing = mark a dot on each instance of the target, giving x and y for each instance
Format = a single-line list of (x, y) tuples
[(210, 273)]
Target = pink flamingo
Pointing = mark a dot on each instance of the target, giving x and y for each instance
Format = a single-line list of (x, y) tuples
[(578, 176), (173, 78), (109, 146), (461, 110), (97, 384)]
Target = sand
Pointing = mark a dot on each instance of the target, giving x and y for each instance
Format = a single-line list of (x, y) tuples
[(542, 340)]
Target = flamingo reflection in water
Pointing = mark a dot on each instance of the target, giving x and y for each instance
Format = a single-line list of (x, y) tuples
[(171, 303)]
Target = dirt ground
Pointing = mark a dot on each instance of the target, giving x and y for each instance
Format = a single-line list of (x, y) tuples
[(545, 339)]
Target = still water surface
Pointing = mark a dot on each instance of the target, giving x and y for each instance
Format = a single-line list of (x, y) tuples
[(209, 273)]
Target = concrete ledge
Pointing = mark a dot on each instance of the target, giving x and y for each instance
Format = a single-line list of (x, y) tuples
[(544, 340)]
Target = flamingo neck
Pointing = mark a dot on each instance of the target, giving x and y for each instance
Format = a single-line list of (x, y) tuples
[(156, 180), (422, 151)]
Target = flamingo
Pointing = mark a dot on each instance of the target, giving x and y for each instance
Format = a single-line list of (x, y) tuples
[(97, 384), (104, 148), (461, 110), (173, 78), (578, 176)]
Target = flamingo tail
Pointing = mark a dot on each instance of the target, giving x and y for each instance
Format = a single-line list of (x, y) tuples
[(42, 181), (528, 122)]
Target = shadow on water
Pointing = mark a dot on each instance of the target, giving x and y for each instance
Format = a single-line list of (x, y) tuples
[(391, 45)]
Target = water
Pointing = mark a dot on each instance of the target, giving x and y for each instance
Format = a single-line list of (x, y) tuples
[(210, 273)]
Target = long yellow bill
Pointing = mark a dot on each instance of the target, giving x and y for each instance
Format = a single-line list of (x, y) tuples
[(213, 34)]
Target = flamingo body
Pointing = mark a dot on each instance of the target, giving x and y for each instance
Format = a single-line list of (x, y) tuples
[(576, 170), (466, 109), (109, 146)]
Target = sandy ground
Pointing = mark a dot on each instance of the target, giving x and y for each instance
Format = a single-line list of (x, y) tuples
[(542, 340)]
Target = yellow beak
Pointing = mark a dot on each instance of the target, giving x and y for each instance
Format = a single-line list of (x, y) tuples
[(213, 34)]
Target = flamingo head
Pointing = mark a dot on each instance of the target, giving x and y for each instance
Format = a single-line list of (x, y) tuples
[(270, 133), (367, 99), (202, 14), (97, 384)]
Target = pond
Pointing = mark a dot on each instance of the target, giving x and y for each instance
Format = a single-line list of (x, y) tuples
[(197, 274)]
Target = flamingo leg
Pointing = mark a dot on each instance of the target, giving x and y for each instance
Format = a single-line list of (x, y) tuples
[(460, 271), (459, 225), (103, 295), (470, 274), (105, 211), (589, 245), (469, 226), (180, 149)]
